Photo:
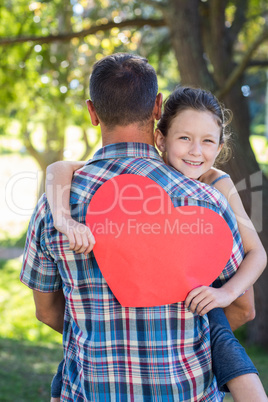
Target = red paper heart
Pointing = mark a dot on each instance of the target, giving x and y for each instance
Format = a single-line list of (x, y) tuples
[(149, 252)]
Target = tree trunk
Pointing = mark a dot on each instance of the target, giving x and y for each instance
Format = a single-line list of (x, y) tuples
[(253, 189), (183, 21)]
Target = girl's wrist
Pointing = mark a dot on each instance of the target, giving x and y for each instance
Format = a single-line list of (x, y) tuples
[(231, 293), (61, 218)]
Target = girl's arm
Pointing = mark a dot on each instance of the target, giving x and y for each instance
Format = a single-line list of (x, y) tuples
[(58, 184), (203, 298)]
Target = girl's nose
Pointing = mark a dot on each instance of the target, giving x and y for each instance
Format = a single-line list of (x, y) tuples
[(195, 149)]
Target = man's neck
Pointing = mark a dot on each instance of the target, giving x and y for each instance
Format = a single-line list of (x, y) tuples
[(130, 133)]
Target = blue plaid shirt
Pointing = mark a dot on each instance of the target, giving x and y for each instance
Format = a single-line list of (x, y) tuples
[(114, 353)]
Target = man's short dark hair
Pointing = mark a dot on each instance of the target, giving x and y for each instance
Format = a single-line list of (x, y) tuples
[(123, 89)]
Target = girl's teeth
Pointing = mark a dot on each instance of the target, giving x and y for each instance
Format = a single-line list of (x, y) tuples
[(194, 163)]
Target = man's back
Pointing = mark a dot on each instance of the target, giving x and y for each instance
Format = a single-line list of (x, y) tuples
[(116, 353)]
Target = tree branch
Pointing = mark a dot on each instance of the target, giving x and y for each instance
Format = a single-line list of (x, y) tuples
[(161, 5), (88, 146), (240, 68), (257, 63), (32, 150), (252, 17), (67, 36)]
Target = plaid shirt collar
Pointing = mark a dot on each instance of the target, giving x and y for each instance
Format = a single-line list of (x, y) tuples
[(125, 150)]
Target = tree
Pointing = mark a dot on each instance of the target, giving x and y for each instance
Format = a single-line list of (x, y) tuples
[(44, 90), (214, 43)]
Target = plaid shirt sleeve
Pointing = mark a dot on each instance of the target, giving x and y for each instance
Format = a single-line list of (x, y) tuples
[(39, 269)]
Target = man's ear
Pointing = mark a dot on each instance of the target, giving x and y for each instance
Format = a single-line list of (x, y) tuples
[(160, 140), (158, 106), (93, 115)]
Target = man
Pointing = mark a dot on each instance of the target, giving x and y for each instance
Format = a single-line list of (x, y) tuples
[(114, 353)]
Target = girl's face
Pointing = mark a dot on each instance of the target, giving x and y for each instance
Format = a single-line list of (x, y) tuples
[(192, 142)]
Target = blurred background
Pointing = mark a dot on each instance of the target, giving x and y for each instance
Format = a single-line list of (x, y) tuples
[(47, 49)]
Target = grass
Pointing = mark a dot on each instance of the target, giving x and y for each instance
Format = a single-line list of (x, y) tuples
[(29, 350), (26, 370)]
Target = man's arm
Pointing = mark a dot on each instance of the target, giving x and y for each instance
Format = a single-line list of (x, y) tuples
[(50, 309), (241, 310)]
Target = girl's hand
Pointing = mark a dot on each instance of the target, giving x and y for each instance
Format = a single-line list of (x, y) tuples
[(204, 298), (80, 237)]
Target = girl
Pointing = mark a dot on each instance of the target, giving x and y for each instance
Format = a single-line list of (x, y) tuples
[(191, 134)]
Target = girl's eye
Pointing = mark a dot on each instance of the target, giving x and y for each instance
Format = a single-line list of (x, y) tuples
[(184, 138), (207, 140)]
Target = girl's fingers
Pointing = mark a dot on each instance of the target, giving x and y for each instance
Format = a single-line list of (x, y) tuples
[(206, 309), (84, 243), (90, 237), (81, 240), (194, 305), (191, 295), (71, 239), (88, 249), (202, 305), (203, 299), (78, 242), (194, 293), (195, 301), (90, 241), (200, 301)]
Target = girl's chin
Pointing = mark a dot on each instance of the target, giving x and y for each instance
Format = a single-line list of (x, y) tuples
[(196, 177)]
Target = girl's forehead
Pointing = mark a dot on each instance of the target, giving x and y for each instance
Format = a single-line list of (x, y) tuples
[(194, 118), (198, 113)]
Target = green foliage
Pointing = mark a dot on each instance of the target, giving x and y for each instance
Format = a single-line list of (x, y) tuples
[(42, 80), (47, 83), (10, 242), (44, 85), (259, 144), (17, 308)]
